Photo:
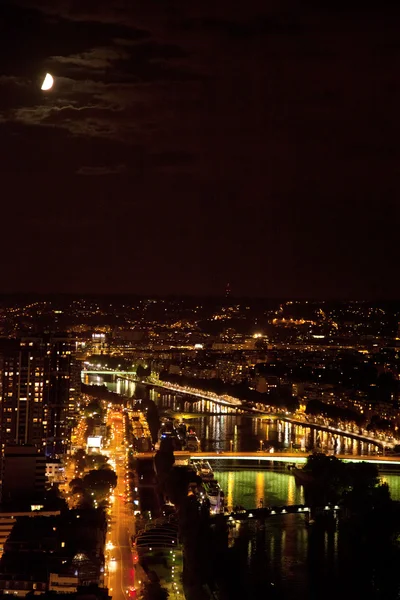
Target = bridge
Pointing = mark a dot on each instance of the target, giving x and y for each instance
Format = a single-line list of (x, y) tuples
[(285, 457), (252, 411), (110, 372)]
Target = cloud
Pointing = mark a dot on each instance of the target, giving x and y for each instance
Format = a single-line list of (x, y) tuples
[(91, 120), (110, 81), (101, 170), (56, 114), (171, 162), (244, 27), (241, 96), (101, 11), (12, 79), (97, 58)]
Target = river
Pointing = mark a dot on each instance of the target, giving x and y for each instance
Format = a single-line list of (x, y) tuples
[(219, 427), (226, 430), (281, 557)]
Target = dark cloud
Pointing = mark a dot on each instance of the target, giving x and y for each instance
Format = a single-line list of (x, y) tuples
[(92, 120), (94, 171), (257, 141), (255, 27), (96, 58)]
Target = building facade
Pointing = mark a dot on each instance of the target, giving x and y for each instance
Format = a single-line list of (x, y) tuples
[(22, 393), (39, 389), (23, 473)]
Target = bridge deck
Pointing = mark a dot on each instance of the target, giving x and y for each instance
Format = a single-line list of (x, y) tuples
[(249, 411), (290, 457)]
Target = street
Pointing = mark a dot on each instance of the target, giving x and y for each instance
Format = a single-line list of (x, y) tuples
[(122, 582), (122, 575)]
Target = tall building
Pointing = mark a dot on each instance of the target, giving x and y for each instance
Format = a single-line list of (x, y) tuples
[(23, 474), (35, 392), (74, 389), (58, 355), (21, 409)]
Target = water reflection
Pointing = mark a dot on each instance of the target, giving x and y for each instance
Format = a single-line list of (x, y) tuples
[(222, 429), (230, 488), (393, 481), (276, 554), (259, 500), (280, 557), (247, 488)]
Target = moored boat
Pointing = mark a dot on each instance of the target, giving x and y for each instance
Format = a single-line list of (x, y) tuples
[(301, 476)]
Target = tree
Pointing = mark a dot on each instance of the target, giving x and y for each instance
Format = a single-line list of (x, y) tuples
[(378, 423), (316, 407), (355, 485), (177, 484), (53, 500), (96, 476), (152, 417), (364, 492), (152, 590), (100, 481), (94, 408), (164, 460), (97, 461), (79, 455), (140, 372), (76, 483), (328, 478)]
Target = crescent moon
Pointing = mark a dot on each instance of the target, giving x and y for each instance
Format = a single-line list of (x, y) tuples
[(47, 82)]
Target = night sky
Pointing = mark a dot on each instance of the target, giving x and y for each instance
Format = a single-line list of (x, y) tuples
[(188, 144)]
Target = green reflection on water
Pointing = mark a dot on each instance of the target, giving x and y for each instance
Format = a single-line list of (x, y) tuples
[(393, 482), (247, 488)]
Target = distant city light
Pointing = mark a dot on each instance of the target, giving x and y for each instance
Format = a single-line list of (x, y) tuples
[(47, 82)]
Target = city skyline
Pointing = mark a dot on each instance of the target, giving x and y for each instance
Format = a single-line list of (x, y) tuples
[(178, 434), (183, 147)]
